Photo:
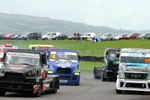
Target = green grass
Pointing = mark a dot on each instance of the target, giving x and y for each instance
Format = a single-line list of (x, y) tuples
[(84, 47), (89, 65)]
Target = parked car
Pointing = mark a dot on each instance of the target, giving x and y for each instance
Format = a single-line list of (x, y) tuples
[(9, 36), (15, 37), (33, 35), (60, 37), (2, 36), (144, 36), (107, 36), (22, 37), (119, 37), (132, 36), (75, 36), (147, 36), (50, 35), (88, 36)]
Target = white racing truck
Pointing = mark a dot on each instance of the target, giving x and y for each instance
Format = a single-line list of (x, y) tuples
[(134, 70)]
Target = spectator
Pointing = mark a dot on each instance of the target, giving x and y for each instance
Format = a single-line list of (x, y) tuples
[(78, 34), (74, 34)]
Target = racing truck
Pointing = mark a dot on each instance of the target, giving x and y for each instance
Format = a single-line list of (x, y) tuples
[(41, 47), (134, 68), (6, 46), (64, 63), (25, 71), (110, 68)]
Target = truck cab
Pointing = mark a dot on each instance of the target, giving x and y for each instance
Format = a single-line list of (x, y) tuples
[(64, 63), (25, 71), (134, 68), (41, 47)]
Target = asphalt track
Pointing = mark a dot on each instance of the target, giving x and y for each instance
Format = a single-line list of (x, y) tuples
[(89, 89)]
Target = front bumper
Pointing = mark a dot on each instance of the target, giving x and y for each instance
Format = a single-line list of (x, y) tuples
[(133, 85), (69, 79), (8, 86)]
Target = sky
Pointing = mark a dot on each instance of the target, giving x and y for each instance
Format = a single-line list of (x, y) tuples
[(118, 14)]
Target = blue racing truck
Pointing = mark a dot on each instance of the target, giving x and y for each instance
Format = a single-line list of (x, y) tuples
[(64, 63)]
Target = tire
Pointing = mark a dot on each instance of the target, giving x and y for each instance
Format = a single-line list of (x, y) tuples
[(2, 93), (97, 70), (55, 87), (118, 91), (102, 78), (38, 94)]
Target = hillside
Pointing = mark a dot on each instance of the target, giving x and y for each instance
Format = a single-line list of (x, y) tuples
[(14, 23)]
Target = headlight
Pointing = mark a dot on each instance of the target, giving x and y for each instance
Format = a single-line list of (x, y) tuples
[(77, 73), (31, 73), (121, 74), (50, 72)]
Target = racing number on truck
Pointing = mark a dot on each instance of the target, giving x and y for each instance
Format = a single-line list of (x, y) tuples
[(147, 60), (53, 56)]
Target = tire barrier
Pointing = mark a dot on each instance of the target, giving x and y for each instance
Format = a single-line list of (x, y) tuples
[(91, 58)]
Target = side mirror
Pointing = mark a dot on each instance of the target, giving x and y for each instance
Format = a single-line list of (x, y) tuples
[(79, 57), (117, 54), (44, 60)]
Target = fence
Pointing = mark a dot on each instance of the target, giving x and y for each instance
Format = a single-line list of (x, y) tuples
[(92, 58)]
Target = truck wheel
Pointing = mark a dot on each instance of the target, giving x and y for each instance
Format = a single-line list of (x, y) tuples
[(55, 87), (102, 78), (97, 70), (118, 91), (2, 93), (38, 94)]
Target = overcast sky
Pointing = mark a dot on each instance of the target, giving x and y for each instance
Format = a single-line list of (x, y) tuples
[(124, 14)]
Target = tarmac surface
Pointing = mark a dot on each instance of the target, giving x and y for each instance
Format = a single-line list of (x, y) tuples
[(89, 89)]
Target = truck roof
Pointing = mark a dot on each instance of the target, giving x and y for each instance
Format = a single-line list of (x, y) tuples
[(40, 45), (135, 50), (112, 49), (64, 50), (28, 51)]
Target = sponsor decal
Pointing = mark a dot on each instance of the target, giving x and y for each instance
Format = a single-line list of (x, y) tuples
[(23, 54), (16, 67), (63, 81), (135, 54)]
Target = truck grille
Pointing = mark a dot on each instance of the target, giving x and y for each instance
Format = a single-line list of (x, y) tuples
[(63, 71), (136, 75), (13, 77), (65, 77), (135, 85)]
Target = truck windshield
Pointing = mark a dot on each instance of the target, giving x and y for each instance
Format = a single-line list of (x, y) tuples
[(113, 56), (22, 60), (127, 59), (65, 56)]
